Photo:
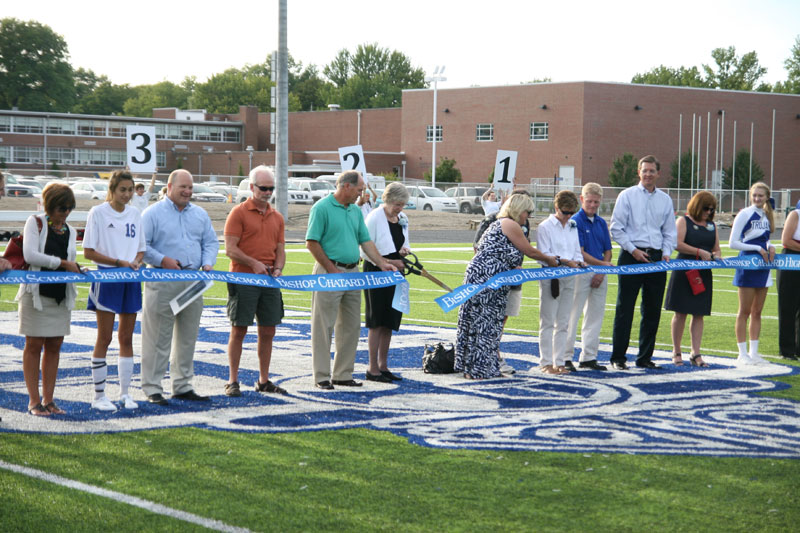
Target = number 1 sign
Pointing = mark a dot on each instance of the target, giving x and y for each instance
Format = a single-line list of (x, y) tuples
[(505, 167), (141, 141)]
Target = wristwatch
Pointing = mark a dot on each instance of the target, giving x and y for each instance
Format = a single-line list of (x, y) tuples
[(558, 261)]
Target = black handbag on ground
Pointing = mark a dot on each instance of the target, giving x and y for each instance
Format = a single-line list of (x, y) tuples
[(438, 360)]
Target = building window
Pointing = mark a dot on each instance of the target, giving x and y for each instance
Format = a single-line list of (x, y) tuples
[(92, 128), (161, 159), (116, 157), (5, 123), (27, 154), (119, 129), (5, 154), (61, 156), (231, 135), (28, 125), (429, 133), (60, 126), (539, 131), (484, 132)]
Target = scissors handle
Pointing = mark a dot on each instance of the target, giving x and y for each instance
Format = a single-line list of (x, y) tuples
[(411, 267)]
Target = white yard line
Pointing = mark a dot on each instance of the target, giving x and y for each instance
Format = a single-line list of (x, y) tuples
[(156, 508)]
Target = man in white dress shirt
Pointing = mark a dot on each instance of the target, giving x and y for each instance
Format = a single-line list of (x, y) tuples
[(643, 224)]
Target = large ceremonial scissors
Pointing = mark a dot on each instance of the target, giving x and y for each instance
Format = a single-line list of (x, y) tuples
[(415, 267)]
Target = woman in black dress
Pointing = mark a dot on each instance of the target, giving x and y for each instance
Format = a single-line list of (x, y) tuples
[(388, 228), (697, 239)]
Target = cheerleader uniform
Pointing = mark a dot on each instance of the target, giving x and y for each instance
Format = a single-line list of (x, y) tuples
[(749, 234)]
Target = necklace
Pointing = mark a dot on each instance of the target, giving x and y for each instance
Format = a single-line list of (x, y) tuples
[(60, 230)]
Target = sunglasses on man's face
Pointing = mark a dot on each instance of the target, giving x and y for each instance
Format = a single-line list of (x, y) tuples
[(264, 188)]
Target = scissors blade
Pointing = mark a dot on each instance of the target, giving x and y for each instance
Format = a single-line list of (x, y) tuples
[(424, 273)]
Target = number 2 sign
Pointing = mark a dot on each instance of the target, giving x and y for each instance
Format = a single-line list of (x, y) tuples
[(141, 142), (505, 167), (352, 158)]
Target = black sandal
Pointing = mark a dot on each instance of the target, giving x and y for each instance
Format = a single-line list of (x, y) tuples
[(269, 387), (53, 409), (38, 410), (693, 359), (677, 358)]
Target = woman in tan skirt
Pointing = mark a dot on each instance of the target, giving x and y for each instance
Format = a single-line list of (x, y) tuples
[(45, 310)]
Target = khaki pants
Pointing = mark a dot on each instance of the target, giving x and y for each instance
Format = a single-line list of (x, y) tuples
[(168, 339), (592, 304), (337, 313)]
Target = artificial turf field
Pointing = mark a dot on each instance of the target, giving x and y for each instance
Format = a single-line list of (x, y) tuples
[(359, 479)]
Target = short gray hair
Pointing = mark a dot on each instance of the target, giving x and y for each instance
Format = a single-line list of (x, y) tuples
[(256, 170), (395, 192), (351, 177)]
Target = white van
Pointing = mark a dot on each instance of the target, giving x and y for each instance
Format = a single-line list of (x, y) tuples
[(429, 198), (317, 189)]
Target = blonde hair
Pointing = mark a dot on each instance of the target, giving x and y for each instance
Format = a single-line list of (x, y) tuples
[(515, 205), (767, 206), (592, 188)]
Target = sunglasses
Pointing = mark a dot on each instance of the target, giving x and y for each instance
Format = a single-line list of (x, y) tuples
[(568, 213), (264, 188), (709, 208), (65, 209)]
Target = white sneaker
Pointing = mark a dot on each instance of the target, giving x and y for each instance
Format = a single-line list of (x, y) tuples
[(128, 402), (104, 404), (505, 368), (758, 360)]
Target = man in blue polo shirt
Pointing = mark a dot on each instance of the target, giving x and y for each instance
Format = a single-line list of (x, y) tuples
[(590, 289), (336, 229)]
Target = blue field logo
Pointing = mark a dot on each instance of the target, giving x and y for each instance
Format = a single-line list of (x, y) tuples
[(679, 410)]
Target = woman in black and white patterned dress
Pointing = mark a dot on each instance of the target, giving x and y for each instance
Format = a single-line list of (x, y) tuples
[(480, 319)]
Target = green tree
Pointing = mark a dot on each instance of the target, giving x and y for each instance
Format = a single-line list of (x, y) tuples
[(743, 178), (733, 72), (686, 171), (792, 64), (446, 172), (162, 94), (678, 77), (624, 171), (372, 77), (34, 72), (225, 92), (105, 99)]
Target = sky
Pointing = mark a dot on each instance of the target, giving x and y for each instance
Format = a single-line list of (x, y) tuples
[(500, 42)]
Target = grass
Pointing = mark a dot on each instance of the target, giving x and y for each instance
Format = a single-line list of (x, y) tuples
[(356, 480)]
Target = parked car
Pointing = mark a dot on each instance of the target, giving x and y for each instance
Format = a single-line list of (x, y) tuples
[(30, 182), (316, 189), (90, 190), (379, 200), (296, 196), (431, 199), (224, 189), (15, 189), (467, 198), (204, 193)]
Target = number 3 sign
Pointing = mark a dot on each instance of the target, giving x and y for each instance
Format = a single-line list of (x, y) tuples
[(141, 141), (505, 166)]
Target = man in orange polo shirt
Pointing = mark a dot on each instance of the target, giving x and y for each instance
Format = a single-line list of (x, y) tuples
[(255, 243)]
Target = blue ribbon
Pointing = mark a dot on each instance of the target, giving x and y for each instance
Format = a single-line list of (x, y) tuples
[(322, 282), (461, 294)]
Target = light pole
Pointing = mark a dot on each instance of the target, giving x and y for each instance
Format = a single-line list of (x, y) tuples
[(438, 75), (250, 155)]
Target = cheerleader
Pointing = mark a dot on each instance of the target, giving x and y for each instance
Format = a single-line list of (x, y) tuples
[(114, 238), (750, 235)]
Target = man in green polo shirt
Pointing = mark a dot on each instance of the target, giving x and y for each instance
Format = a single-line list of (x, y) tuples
[(336, 229)]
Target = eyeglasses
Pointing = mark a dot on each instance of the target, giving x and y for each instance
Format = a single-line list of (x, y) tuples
[(530, 213), (65, 209), (568, 213), (264, 188)]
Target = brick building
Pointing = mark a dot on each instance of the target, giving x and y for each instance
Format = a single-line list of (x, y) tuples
[(566, 129)]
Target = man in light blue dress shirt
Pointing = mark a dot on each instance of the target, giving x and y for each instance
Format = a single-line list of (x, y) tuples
[(179, 236), (643, 224)]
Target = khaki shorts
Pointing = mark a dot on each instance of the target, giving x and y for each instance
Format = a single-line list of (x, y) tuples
[(246, 302), (514, 301)]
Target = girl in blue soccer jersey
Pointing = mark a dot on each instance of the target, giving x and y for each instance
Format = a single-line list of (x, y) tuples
[(750, 235), (114, 238)]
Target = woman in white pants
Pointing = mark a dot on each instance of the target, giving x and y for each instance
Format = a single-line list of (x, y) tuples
[(558, 235)]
